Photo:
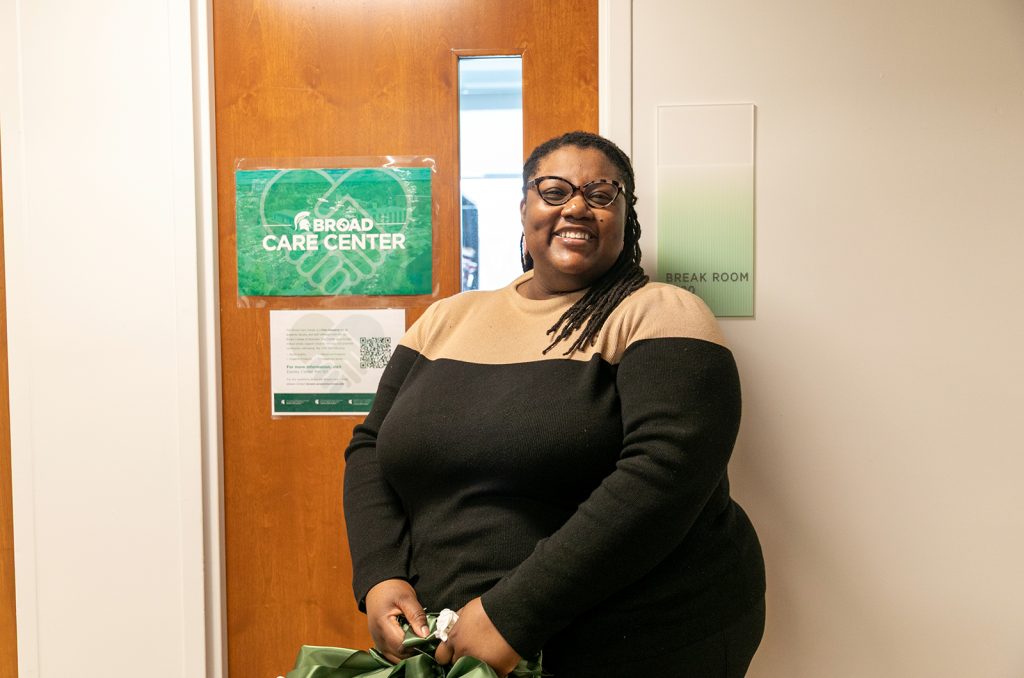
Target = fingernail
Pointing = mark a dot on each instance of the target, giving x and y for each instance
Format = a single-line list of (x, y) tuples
[(424, 630)]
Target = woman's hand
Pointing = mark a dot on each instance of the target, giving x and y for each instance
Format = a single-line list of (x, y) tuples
[(384, 602), (474, 635)]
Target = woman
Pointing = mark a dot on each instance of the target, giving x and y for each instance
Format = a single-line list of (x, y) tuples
[(551, 457)]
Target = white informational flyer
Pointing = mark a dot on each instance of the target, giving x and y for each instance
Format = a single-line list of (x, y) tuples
[(330, 362)]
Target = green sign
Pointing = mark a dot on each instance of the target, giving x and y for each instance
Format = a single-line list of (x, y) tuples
[(316, 232), (705, 234), (323, 403), (706, 203)]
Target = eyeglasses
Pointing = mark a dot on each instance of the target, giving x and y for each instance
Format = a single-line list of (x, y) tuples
[(557, 191)]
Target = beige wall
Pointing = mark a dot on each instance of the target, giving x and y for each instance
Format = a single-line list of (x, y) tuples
[(881, 455)]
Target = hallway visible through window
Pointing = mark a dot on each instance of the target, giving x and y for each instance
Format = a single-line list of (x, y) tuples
[(490, 161)]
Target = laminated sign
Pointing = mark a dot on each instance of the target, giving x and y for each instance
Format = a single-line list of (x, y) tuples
[(330, 361), (315, 232)]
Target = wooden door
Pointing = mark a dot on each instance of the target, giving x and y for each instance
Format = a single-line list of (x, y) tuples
[(345, 78)]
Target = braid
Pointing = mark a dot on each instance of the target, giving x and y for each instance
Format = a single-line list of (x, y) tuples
[(624, 277)]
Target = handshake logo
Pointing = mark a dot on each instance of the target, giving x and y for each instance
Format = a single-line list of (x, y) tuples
[(358, 221)]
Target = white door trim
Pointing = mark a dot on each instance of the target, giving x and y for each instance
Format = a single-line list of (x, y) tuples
[(615, 72)]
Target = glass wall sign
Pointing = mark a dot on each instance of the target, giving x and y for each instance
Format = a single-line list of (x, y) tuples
[(706, 203)]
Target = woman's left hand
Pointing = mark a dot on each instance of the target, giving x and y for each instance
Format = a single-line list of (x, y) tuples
[(475, 636)]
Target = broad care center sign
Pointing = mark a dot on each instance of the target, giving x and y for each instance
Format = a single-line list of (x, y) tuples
[(352, 231)]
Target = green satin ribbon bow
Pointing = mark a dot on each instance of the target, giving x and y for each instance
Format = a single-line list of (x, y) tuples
[(339, 662)]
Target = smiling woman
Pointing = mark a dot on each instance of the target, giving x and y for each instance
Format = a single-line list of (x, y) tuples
[(576, 504), (571, 241)]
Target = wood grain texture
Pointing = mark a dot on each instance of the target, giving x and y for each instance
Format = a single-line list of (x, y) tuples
[(8, 618), (350, 78)]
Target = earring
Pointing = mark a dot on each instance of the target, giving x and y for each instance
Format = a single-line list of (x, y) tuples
[(524, 257)]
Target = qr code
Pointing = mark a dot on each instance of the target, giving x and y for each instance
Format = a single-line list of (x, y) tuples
[(374, 352)]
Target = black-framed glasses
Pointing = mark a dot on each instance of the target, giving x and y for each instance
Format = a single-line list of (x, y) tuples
[(558, 191)]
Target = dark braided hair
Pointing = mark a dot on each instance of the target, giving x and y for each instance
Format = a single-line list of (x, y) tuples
[(624, 277)]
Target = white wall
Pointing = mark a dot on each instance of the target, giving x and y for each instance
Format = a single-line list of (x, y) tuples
[(881, 455), (101, 165)]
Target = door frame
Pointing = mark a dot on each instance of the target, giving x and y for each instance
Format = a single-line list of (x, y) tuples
[(615, 72), (615, 48), (215, 618)]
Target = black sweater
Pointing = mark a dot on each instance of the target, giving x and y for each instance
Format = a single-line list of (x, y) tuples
[(584, 497)]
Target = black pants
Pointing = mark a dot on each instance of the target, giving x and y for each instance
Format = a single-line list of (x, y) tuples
[(724, 654)]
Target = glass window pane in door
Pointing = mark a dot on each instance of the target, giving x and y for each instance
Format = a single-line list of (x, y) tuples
[(490, 161)]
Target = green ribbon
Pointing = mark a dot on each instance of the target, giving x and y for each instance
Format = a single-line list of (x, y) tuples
[(338, 662)]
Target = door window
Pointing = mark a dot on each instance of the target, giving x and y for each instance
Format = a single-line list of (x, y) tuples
[(490, 161)]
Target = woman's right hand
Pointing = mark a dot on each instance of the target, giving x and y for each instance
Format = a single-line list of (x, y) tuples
[(384, 602)]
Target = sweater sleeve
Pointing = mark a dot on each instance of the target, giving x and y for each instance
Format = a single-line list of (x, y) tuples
[(680, 402), (378, 534)]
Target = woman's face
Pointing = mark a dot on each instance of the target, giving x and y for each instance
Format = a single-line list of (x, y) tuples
[(574, 244)]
